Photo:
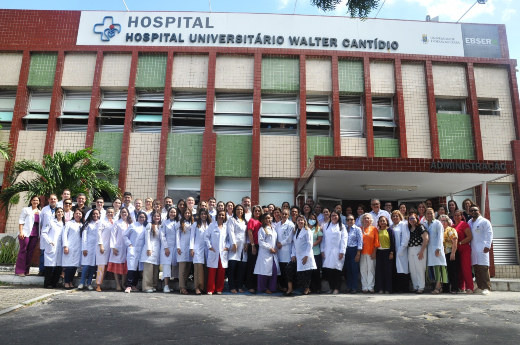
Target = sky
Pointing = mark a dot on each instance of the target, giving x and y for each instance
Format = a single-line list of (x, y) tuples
[(493, 12)]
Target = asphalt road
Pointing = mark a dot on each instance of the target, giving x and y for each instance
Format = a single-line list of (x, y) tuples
[(137, 318)]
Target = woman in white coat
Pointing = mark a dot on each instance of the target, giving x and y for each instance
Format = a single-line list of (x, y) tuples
[(151, 253), (117, 259), (267, 267), (198, 249), (183, 249), (71, 239), (51, 236), (285, 232), (28, 237), (89, 242), (237, 256), (217, 242), (334, 245), (103, 248), (401, 278), (134, 240), (302, 257), (436, 257), (168, 258)]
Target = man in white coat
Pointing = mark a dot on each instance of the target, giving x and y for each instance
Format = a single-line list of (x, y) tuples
[(482, 233), (46, 215)]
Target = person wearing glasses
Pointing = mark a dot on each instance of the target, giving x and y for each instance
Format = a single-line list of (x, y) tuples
[(436, 256), (482, 233), (68, 214), (377, 212), (100, 202), (417, 252), (352, 254)]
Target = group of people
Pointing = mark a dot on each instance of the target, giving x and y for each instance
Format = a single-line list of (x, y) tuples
[(258, 248)]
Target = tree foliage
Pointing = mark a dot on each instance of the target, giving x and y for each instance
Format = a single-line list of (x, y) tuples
[(356, 8), (5, 150)]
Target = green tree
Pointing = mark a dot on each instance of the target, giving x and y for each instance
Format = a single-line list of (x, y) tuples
[(78, 171), (356, 8), (5, 150)]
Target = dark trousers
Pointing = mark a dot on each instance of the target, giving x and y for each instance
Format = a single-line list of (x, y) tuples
[(400, 281), (282, 279), (383, 270), (251, 278), (42, 261), (293, 275), (315, 274), (482, 277), (453, 273), (70, 272), (52, 276), (23, 262), (334, 277), (236, 273), (132, 278), (351, 268)]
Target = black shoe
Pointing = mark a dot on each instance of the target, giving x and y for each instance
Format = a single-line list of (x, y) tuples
[(289, 294), (353, 292)]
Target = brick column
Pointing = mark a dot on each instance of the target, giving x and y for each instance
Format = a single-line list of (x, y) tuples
[(257, 100), (515, 149), (486, 214), (515, 102), (303, 116), (129, 117), (369, 126), (95, 101), (399, 107), (336, 134), (432, 112), (207, 188), (165, 128), (55, 108), (472, 104)]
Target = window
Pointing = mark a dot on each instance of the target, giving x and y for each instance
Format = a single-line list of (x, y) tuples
[(383, 118), (39, 108), (274, 191), (279, 114), (233, 113), (232, 189), (75, 110), (350, 116), (501, 216), (188, 112), (488, 108), (148, 112), (112, 111), (183, 187), (318, 116), (450, 106), (7, 100)]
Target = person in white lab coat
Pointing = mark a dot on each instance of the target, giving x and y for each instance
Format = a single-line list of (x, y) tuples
[(198, 249), (302, 257), (237, 256), (103, 247), (482, 233), (168, 258), (28, 227), (89, 241), (151, 253), (334, 245), (116, 204), (285, 233), (46, 215), (134, 240), (436, 256), (218, 243), (267, 267), (117, 259), (183, 248), (100, 203), (51, 236), (401, 278), (71, 241)]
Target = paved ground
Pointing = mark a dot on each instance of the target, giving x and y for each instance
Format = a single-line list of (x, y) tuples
[(13, 295), (90, 317)]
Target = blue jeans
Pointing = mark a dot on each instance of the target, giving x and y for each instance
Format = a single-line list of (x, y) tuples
[(69, 274), (351, 268), (42, 261), (87, 274)]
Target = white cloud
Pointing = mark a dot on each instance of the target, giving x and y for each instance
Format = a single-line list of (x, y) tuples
[(507, 14), (452, 9), (283, 3)]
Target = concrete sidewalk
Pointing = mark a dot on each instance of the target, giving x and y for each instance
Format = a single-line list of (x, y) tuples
[(15, 297)]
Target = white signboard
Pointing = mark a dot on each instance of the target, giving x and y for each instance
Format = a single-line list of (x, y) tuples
[(199, 29)]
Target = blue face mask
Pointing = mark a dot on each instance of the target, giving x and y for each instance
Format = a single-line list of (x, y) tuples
[(312, 222)]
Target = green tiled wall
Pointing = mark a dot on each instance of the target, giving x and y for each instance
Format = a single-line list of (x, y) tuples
[(42, 70), (386, 147), (184, 154), (319, 146), (109, 147), (151, 71), (280, 74), (234, 155), (351, 79), (455, 136)]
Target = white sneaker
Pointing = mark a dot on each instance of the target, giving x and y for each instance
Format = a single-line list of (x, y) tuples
[(80, 287), (166, 289), (128, 290), (486, 292), (90, 287), (149, 291), (154, 289)]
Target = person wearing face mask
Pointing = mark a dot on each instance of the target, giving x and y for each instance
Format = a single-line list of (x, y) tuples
[(317, 237), (285, 232), (89, 241)]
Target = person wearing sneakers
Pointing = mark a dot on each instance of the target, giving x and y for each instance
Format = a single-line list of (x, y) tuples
[(89, 242), (103, 247), (134, 241), (482, 232)]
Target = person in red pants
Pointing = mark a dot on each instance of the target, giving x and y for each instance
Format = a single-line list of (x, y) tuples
[(217, 241), (464, 250)]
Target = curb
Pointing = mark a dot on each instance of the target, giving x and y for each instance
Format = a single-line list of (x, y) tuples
[(33, 300)]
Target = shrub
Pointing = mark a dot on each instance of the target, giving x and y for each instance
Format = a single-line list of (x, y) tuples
[(8, 250)]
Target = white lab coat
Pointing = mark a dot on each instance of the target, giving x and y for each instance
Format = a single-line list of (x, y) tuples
[(217, 239), (436, 241), (168, 239), (482, 232), (134, 236), (27, 219), (52, 234), (197, 243), (334, 242), (302, 247), (264, 262), (285, 233), (46, 216), (104, 234), (102, 214), (183, 243), (237, 235), (72, 241), (117, 241), (153, 244), (401, 238), (89, 242), (213, 215)]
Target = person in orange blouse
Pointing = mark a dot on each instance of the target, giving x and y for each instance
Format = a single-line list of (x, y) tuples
[(368, 254)]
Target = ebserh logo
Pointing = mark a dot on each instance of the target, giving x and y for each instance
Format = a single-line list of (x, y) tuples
[(481, 41), (425, 38), (110, 31)]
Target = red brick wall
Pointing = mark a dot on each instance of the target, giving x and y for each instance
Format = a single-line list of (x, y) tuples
[(255, 161), (95, 101)]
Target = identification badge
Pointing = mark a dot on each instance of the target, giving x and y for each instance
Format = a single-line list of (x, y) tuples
[(478, 229)]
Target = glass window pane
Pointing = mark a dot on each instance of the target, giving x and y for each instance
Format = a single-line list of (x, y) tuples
[(113, 105), (275, 198), (7, 103), (350, 124), (278, 108), (269, 185), (382, 113), (317, 108), (41, 105), (349, 110), (234, 107), (499, 188), (503, 232), (183, 183), (233, 120), (501, 217), (189, 105), (451, 105), (499, 201), (6, 116), (77, 106)]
